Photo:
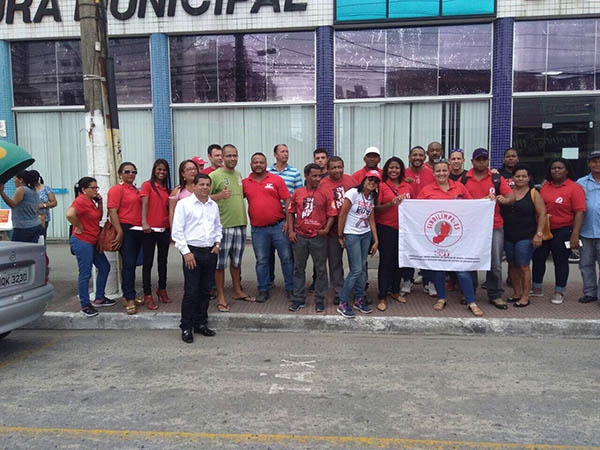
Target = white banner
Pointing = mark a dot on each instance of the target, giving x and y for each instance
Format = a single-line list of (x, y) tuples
[(451, 235)]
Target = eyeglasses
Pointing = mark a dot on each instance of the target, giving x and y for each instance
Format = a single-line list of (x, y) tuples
[(93, 187), (129, 172), (459, 150), (373, 179)]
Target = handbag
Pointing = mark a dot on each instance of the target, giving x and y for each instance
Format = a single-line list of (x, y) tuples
[(546, 233), (107, 235)]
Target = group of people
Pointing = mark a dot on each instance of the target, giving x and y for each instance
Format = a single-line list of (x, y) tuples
[(320, 213)]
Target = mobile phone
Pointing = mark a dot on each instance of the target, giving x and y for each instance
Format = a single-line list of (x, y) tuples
[(568, 244)]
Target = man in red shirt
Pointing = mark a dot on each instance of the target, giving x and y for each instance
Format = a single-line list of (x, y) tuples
[(215, 156), (372, 158), (335, 186), (265, 192), (435, 151), (309, 220), (481, 183), (418, 173)]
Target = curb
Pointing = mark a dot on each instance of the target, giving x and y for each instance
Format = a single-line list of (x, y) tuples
[(304, 323)]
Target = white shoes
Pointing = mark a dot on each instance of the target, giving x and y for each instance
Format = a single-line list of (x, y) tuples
[(406, 287), (557, 298), (429, 288)]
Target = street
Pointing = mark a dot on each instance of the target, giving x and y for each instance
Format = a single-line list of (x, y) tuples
[(146, 389)]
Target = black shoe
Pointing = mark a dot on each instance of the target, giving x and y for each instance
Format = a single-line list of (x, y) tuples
[(336, 300), (204, 331), (295, 306), (187, 336), (89, 311), (319, 307), (587, 299), (520, 305), (262, 296)]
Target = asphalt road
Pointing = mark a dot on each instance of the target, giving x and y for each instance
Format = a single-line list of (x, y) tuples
[(148, 390)]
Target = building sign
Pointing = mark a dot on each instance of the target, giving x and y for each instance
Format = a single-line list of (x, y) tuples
[(397, 10)]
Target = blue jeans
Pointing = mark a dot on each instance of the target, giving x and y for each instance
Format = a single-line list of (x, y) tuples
[(464, 281), (518, 253), (27, 234), (130, 249), (560, 256), (265, 238), (87, 255), (589, 254), (493, 279), (357, 246)]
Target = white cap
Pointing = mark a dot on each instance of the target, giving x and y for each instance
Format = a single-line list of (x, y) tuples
[(371, 150)]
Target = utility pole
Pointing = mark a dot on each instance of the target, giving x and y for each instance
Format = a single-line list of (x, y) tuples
[(101, 118)]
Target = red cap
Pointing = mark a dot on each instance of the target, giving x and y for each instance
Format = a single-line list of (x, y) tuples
[(373, 173), (198, 160)]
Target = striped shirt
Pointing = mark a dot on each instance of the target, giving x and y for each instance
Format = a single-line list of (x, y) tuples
[(290, 175)]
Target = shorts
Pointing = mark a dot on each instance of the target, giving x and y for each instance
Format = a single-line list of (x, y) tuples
[(232, 245), (518, 253)]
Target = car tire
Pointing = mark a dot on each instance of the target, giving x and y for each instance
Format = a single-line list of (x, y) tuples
[(3, 335)]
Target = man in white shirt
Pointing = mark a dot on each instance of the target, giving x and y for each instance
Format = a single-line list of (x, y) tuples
[(197, 233)]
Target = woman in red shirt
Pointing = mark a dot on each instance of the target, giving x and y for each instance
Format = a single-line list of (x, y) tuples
[(85, 214), (565, 204), (157, 233), (446, 189), (392, 190), (125, 212)]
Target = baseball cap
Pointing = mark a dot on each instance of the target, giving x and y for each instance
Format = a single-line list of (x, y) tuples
[(594, 154), (371, 150), (198, 160), (481, 153), (373, 173)]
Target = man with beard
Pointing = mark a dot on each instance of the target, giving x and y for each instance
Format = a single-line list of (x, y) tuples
[(435, 151)]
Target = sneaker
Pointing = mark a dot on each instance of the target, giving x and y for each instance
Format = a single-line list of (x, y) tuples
[(406, 287), (418, 279), (345, 310), (587, 299), (295, 306), (557, 298), (336, 300), (362, 306), (262, 296), (429, 288), (536, 293), (319, 307), (101, 302), (89, 311)]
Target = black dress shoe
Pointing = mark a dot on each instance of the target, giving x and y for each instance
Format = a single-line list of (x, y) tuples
[(187, 336), (204, 330)]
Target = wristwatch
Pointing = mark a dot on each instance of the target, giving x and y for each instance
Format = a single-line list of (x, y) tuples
[(218, 244)]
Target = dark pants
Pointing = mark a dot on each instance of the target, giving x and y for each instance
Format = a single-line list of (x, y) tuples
[(316, 248), (27, 234), (388, 273), (560, 255), (150, 241), (196, 288), (130, 249)]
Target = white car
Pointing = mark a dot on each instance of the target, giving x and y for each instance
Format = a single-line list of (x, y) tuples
[(24, 288)]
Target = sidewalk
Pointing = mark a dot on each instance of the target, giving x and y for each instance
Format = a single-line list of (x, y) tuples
[(417, 315)]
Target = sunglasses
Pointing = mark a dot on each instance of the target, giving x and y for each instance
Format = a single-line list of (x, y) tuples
[(459, 150), (129, 172), (373, 179)]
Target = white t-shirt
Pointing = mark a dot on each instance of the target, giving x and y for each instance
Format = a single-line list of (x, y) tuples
[(357, 221)]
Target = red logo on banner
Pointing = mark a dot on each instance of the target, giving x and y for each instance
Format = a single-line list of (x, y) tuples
[(443, 228)]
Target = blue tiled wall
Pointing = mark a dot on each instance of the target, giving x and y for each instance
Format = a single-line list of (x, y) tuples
[(502, 90), (325, 89), (161, 110), (6, 92)]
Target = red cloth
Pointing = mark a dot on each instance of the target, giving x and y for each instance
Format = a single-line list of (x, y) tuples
[(89, 215), (335, 190), (312, 209), (484, 187), (422, 179), (434, 192), (389, 217), (208, 170), (157, 215), (264, 199), (562, 202), (125, 198), (360, 174)]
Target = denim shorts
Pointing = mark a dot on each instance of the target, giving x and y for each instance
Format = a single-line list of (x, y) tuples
[(519, 253)]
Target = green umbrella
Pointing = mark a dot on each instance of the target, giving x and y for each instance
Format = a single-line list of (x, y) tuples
[(13, 159)]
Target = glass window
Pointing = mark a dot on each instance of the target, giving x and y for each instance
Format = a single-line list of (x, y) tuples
[(529, 60), (132, 70), (402, 62), (243, 67)]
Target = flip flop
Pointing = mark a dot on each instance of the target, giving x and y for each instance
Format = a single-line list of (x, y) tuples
[(223, 308), (247, 298)]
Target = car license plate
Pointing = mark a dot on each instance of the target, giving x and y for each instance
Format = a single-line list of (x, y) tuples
[(14, 277)]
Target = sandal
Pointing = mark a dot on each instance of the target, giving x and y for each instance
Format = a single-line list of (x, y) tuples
[(130, 308), (399, 298), (440, 304), (223, 307), (513, 299), (381, 306), (247, 298), (139, 301), (477, 312)]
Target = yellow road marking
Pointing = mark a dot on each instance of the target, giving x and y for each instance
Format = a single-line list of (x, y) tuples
[(293, 438), (27, 354)]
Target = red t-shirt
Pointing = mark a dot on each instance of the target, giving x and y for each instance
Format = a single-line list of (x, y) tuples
[(360, 174), (562, 202), (157, 215), (312, 210), (89, 215), (422, 179), (484, 187), (335, 190), (456, 191), (264, 199), (387, 193), (208, 170), (125, 198)]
